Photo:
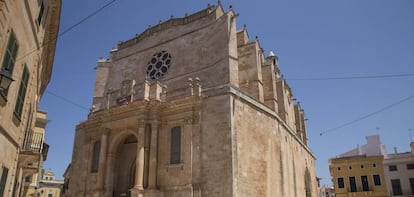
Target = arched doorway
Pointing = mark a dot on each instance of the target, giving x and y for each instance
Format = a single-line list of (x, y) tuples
[(125, 165)]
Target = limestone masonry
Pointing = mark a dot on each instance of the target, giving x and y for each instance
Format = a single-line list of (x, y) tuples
[(192, 107)]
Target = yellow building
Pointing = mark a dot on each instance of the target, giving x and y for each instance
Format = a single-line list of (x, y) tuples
[(359, 175), (360, 171), (28, 33)]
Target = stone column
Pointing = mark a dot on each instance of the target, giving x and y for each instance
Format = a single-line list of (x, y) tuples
[(109, 172), (139, 172), (102, 160), (152, 179)]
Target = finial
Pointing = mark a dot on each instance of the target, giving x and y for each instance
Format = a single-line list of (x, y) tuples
[(160, 22), (271, 54), (257, 37), (171, 16), (185, 15), (244, 26), (219, 2), (208, 5), (230, 7)]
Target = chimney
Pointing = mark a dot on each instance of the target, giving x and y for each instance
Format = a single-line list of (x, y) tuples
[(395, 150)]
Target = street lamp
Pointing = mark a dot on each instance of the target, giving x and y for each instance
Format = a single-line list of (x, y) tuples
[(5, 80)]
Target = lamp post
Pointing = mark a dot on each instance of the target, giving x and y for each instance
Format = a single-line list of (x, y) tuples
[(5, 80)]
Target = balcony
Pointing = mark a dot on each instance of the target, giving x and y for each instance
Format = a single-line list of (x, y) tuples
[(364, 193), (32, 153)]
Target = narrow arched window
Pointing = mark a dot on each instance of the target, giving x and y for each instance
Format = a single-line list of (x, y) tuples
[(175, 156), (95, 156)]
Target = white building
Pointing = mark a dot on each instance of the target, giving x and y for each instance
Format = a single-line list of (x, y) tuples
[(399, 173), (326, 191)]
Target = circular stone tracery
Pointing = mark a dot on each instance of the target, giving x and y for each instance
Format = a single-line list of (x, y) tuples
[(158, 65)]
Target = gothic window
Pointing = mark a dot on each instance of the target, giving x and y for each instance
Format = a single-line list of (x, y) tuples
[(158, 65), (95, 156), (41, 10), (9, 58), (22, 93), (175, 149), (3, 180)]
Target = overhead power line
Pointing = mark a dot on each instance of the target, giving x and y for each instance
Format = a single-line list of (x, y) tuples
[(70, 28), (67, 100), (353, 77), (367, 115)]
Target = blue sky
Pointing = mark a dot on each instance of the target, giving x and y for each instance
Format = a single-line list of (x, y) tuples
[(313, 39)]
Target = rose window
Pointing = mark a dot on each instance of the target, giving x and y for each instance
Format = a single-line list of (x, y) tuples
[(158, 65)]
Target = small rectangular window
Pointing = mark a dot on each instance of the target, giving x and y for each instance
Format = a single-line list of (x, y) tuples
[(22, 93), (410, 166), (95, 156), (377, 179), (175, 145), (3, 180), (341, 182), (28, 179), (393, 168)]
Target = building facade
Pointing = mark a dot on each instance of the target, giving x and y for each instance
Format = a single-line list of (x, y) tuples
[(360, 171), (44, 184), (192, 107), (326, 191), (31, 180), (28, 32), (399, 173)]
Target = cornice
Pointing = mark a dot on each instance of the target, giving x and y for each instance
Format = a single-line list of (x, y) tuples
[(168, 24), (140, 112), (50, 42)]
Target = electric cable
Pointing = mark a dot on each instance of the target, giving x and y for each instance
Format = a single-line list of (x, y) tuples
[(367, 115), (69, 28), (67, 100), (353, 77)]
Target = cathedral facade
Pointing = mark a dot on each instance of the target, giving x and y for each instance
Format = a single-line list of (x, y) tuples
[(192, 107)]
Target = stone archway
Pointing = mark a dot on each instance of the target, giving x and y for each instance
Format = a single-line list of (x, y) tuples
[(125, 165)]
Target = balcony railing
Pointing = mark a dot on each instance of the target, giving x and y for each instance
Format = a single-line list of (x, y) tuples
[(33, 142)]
